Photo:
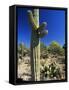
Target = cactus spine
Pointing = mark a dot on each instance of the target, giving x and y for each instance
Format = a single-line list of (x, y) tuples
[(37, 33)]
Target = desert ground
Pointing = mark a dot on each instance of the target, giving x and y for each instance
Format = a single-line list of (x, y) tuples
[(24, 67)]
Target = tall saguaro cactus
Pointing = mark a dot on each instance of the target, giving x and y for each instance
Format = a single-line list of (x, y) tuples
[(37, 33)]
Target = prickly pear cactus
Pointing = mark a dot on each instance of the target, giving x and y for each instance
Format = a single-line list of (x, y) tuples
[(37, 33)]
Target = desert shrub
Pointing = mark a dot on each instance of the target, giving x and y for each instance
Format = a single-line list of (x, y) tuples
[(22, 50), (43, 50), (43, 47), (55, 48), (62, 52), (51, 71), (54, 71)]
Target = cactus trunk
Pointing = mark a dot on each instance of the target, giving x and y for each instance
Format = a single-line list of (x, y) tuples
[(37, 33), (35, 48)]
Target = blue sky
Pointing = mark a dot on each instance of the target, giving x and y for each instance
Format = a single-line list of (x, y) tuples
[(55, 25)]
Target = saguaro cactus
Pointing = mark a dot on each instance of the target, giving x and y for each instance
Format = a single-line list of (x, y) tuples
[(37, 33)]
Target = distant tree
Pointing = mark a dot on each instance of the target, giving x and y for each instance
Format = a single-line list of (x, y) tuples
[(55, 48)]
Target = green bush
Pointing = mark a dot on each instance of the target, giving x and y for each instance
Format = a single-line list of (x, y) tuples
[(55, 48)]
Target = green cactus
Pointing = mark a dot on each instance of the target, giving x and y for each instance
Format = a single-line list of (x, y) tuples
[(37, 33)]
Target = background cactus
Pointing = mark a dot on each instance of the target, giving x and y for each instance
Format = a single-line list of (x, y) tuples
[(37, 33)]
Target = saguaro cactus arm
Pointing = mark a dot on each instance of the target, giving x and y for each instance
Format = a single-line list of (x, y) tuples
[(31, 19), (41, 30), (42, 26), (43, 33)]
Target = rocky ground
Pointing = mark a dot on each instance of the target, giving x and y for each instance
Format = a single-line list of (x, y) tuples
[(24, 66)]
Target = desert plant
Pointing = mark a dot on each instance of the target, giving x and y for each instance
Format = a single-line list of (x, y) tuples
[(43, 47), (37, 33), (50, 71), (55, 48), (20, 49), (43, 50)]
